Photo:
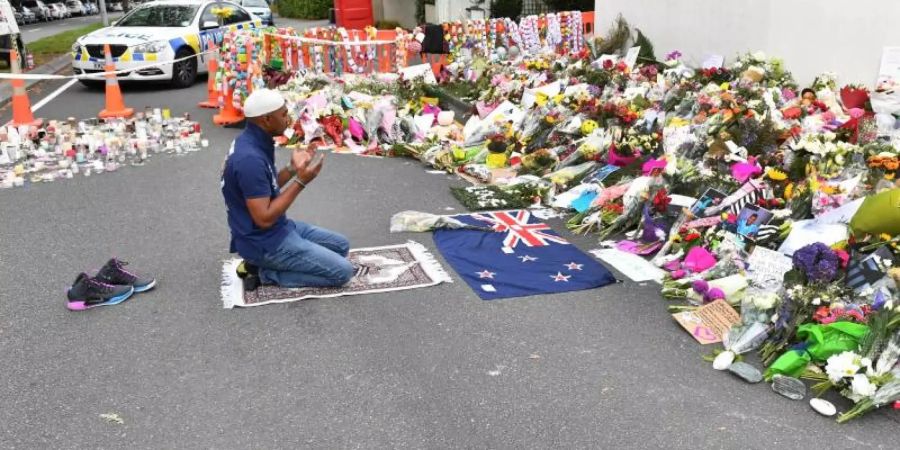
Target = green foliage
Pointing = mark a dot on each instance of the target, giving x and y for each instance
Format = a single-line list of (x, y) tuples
[(616, 39), (305, 9), (646, 53)]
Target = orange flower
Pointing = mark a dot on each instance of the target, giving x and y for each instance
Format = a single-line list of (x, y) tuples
[(891, 164)]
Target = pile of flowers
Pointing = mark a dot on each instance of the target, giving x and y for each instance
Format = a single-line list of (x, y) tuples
[(696, 169)]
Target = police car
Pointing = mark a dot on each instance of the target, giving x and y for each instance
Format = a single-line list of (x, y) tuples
[(165, 30)]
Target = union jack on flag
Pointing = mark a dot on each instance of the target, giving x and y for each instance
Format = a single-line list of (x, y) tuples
[(542, 262), (518, 230)]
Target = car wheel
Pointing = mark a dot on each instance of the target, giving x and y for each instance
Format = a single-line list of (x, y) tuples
[(184, 72)]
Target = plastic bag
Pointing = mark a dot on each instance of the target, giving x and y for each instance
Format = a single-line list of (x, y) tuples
[(821, 342), (417, 221), (878, 214)]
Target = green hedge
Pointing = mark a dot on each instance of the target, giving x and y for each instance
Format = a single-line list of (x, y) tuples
[(304, 9)]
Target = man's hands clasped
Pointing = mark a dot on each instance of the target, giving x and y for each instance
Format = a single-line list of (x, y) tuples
[(307, 163)]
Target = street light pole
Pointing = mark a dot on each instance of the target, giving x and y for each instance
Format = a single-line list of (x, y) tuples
[(103, 15)]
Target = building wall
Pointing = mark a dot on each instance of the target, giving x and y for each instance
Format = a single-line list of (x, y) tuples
[(811, 36), (404, 11)]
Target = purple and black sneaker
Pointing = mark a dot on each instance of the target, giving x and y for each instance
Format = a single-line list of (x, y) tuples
[(114, 273), (87, 293)]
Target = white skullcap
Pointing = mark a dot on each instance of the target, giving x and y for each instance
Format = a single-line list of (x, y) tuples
[(262, 102)]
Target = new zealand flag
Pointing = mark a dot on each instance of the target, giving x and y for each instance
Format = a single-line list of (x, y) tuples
[(521, 257)]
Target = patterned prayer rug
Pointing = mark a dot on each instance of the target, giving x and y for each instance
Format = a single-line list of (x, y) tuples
[(379, 269)]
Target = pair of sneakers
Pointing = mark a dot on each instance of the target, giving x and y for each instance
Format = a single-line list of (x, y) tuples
[(112, 285)]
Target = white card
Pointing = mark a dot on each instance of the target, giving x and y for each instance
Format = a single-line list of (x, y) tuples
[(713, 61), (632, 56), (633, 266)]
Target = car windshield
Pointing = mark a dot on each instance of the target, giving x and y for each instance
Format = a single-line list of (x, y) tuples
[(160, 16), (255, 3)]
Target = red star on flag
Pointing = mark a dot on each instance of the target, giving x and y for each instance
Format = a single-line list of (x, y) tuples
[(486, 274), (573, 266), (560, 277)]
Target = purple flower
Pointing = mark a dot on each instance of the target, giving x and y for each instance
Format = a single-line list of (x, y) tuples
[(713, 295), (880, 300), (673, 56), (818, 262), (700, 286), (678, 274)]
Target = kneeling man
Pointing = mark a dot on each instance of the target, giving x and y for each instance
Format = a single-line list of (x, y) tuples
[(279, 251)]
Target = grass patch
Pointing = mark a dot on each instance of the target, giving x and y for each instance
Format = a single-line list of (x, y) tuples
[(46, 49)]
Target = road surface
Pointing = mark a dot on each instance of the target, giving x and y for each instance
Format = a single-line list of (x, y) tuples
[(427, 368)]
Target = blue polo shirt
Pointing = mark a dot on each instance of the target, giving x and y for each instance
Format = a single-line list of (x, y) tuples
[(250, 173)]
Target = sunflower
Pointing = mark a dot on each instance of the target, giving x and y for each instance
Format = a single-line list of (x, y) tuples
[(789, 191), (775, 174)]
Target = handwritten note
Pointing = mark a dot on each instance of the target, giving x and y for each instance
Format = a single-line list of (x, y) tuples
[(709, 323), (767, 267)]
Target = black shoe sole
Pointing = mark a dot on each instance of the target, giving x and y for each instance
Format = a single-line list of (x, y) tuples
[(251, 282)]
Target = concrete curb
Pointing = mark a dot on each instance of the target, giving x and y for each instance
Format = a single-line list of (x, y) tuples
[(53, 67)]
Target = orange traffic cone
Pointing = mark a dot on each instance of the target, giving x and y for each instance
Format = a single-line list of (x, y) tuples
[(228, 114), (115, 104), (21, 106), (211, 68)]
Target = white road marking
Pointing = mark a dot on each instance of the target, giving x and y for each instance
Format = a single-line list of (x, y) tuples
[(33, 29), (52, 95)]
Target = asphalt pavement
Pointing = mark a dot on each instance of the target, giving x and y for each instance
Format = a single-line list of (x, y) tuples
[(424, 368)]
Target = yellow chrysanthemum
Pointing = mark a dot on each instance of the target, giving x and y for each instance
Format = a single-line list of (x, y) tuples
[(678, 122), (724, 86), (789, 191), (588, 126), (775, 174), (884, 236)]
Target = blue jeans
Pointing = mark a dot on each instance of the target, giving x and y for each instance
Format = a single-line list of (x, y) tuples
[(309, 256)]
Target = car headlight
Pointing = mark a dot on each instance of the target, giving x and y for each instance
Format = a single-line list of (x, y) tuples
[(76, 47), (151, 47)]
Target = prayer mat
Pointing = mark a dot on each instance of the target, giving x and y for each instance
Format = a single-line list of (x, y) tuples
[(521, 256), (379, 269)]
